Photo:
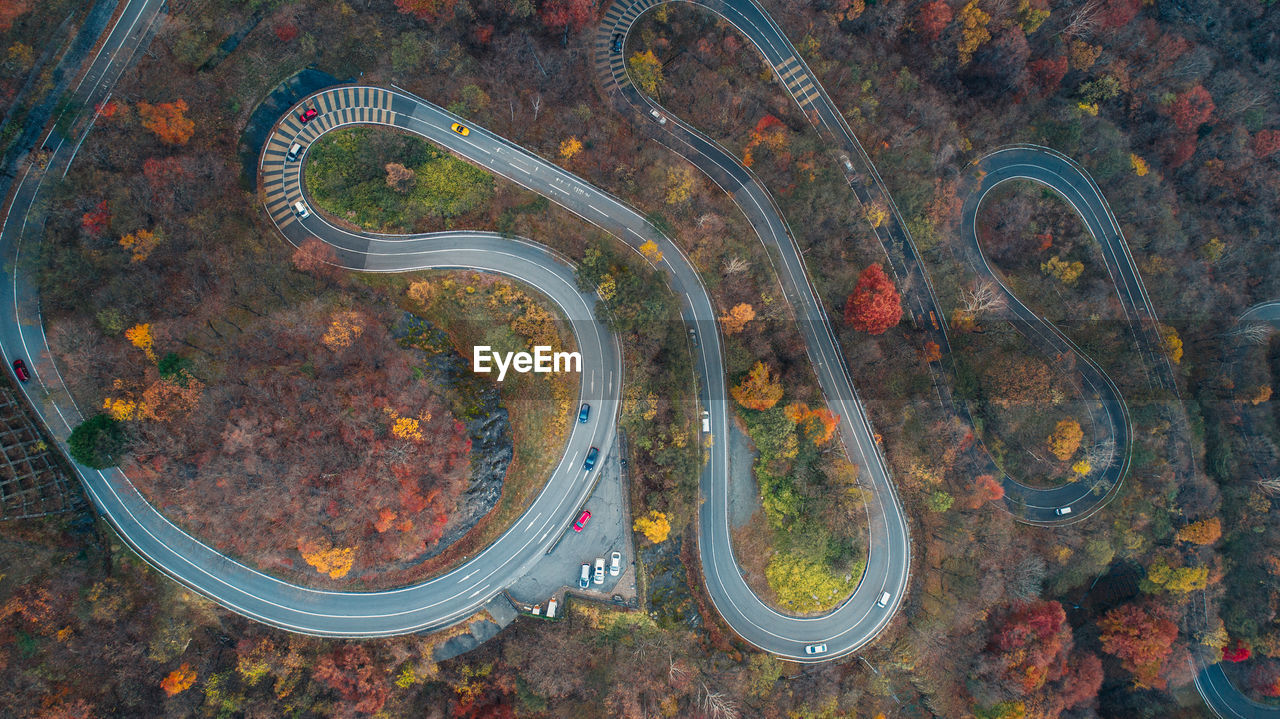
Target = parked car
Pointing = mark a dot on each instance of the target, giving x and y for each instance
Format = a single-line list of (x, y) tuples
[(460, 129), (581, 523), (884, 600), (20, 370), (308, 115), (813, 649), (599, 570), (584, 412), (1062, 511), (591, 459), (300, 209), (615, 563), (294, 151), (584, 580)]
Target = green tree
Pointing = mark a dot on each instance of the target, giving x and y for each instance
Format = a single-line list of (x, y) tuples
[(940, 501), (96, 442)]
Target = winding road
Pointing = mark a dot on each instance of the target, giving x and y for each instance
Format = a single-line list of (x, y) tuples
[(457, 594)]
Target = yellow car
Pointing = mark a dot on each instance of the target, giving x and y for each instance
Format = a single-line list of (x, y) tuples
[(460, 129)]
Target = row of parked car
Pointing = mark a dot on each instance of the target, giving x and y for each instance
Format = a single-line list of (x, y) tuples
[(589, 577)]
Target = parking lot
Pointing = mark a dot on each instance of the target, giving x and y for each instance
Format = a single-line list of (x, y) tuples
[(608, 530)]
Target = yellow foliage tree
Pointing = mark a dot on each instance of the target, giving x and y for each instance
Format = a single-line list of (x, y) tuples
[(1082, 55), (1082, 467), (1206, 531), (760, 390), (876, 213), (140, 336), (737, 318), (1172, 343), (343, 330), (1065, 439), (608, 288), (406, 428), (1175, 580), (646, 71), (679, 184), (1259, 394), (1065, 271), (654, 526), (571, 147), (334, 561), (179, 680), (651, 252), (973, 30), (1139, 165), (422, 292), (140, 244), (120, 409)]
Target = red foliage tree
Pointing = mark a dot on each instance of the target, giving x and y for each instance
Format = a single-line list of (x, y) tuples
[(1142, 636), (1266, 143), (571, 14), (163, 174), (286, 32), (482, 34), (431, 10), (1028, 643), (318, 258), (932, 18), (1047, 73), (1192, 109), (874, 306), (10, 10), (1117, 13), (1180, 150), (1082, 680), (350, 671), (1237, 651), (1265, 678), (96, 220), (985, 489)]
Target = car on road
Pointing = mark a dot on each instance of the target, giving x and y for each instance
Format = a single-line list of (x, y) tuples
[(706, 422), (20, 370), (584, 579), (662, 119), (591, 459), (599, 579), (308, 115), (581, 522), (1062, 511), (813, 649), (300, 209), (583, 413), (693, 336), (615, 564), (848, 166), (294, 151), (460, 129), (616, 47), (883, 601)]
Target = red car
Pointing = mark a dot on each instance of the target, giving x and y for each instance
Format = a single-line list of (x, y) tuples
[(307, 115), (579, 525), (20, 369)]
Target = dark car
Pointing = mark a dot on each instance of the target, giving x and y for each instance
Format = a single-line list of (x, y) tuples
[(591, 459), (20, 369), (308, 115), (617, 43), (584, 413), (581, 524)]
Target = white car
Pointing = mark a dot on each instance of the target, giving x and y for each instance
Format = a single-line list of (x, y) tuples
[(813, 649), (599, 578), (884, 600), (585, 579), (300, 209), (615, 563), (1062, 511), (662, 120)]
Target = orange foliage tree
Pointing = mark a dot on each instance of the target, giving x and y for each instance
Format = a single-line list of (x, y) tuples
[(932, 18), (760, 390), (819, 425), (985, 489), (168, 121), (737, 318), (1142, 637), (179, 680), (1206, 531), (1065, 439), (426, 9), (874, 306), (140, 244)]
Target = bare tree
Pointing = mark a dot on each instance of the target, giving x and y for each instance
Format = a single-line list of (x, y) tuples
[(1270, 486), (1083, 21), (718, 705), (982, 297), (735, 265), (1254, 333), (1102, 454), (1026, 578)]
